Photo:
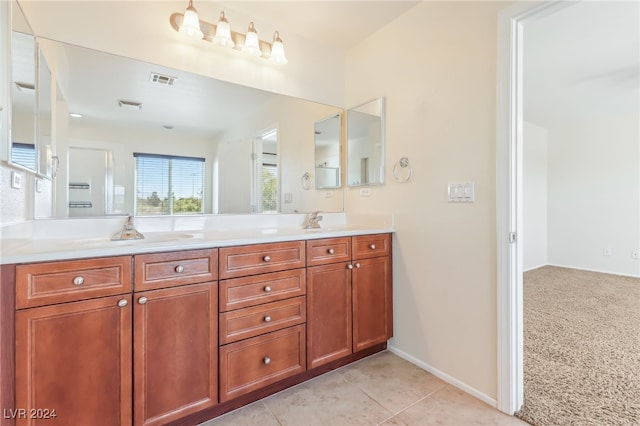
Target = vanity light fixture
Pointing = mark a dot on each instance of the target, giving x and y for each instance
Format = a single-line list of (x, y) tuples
[(191, 23), (134, 106), (221, 34)]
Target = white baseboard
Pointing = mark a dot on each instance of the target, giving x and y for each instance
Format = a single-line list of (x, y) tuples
[(444, 376), (594, 270)]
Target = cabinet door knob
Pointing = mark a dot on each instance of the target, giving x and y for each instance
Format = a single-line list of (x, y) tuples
[(78, 281), (267, 360), (267, 289), (349, 266), (267, 319), (372, 246), (122, 303), (357, 264), (266, 258), (331, 251), (179, 268), (142, 300)]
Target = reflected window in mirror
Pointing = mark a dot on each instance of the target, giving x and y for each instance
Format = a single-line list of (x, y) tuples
[(24, 154), (365, 143), (327, 149), (168, 185), (268, 182)]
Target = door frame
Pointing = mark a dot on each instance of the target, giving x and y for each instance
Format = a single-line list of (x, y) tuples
[(509, 196)]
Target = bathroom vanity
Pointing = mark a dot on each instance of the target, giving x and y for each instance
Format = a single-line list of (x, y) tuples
[(182, 335)]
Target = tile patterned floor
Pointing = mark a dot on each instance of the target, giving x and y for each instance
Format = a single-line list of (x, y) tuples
[(383, 389)]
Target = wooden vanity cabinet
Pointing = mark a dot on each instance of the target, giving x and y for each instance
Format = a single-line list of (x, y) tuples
[(175, 336), (262, 316), (349, 304), (73, 359)]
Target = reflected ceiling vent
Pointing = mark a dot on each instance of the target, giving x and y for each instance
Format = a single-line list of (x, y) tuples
[(136, 106), (163, 80), (25, 87)]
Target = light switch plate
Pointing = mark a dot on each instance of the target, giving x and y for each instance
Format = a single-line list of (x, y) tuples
[(39, 185), (16, 180)]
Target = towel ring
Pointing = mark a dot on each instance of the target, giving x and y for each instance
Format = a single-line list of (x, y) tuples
[(398, 173), (305, 181)]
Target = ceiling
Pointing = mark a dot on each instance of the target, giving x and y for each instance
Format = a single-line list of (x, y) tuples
[(582, 60)]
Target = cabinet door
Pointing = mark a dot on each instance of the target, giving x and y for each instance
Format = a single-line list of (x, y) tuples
[(75, 358), (175, 352), (328, 313), (372, 303)]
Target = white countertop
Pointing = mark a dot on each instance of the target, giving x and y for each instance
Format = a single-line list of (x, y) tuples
[(17, 246)]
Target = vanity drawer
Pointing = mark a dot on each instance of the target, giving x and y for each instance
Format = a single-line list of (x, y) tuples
[(328, 250), (257, 362), (47, 283), (250, 291), (161, 270), (366, 246), (260, 258), (250, 322)]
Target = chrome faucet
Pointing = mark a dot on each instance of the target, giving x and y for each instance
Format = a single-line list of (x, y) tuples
[(313, 221), (128, 232)]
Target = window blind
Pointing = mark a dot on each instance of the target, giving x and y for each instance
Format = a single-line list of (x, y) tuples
[(24, 154), (167, 184)]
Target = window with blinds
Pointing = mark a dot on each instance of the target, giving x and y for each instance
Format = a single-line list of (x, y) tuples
[(24, 154), (168, 184), (269, 188)]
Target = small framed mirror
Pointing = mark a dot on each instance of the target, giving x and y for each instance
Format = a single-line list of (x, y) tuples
[(365, 144), (327, 147)]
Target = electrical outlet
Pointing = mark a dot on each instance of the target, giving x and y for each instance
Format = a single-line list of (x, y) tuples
[(606, 251), (365, 192), (16, 180), (39, 185), (635, 254)]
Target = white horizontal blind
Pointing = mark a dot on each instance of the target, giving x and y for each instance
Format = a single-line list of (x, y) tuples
[(269, 187), (167, 184), (24, 154)]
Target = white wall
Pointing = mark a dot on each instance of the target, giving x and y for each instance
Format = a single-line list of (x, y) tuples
[(436, 65), (594, 193), (534, 196)]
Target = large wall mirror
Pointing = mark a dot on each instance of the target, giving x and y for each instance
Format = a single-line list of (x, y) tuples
[(365, 143), (134, 137)]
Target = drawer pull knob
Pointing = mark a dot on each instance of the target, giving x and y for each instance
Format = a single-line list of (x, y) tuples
[(331, 251), (372, 246), (349, 266), (142, 300), (179, 268), (357, 264), (266, 258), (78, 281), (267, 289), (267, 319), (122, 303), (267, 360)]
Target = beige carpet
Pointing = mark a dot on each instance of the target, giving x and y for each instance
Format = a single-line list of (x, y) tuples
[(581, 348)]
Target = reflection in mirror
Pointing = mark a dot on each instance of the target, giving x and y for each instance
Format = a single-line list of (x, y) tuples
[(43, 117), (253, 145), (23, 93), (365, 144), (327, 152)]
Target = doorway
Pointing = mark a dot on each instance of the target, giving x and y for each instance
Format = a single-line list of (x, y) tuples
[(512, 242)]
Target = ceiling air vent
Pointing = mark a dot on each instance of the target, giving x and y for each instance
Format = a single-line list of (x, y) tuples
[(163, 80), (130, 105)]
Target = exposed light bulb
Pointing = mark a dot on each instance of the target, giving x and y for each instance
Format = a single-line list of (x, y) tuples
[(251, 42), (223, 33), (191, 23), (277, 50)]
